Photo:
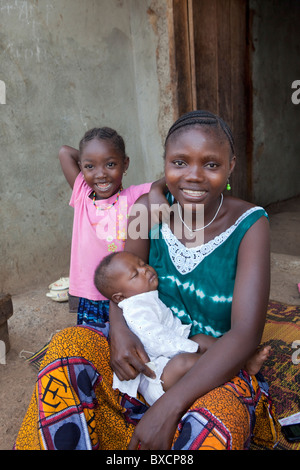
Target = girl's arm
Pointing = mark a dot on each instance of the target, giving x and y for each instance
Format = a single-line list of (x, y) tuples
[(157, 427), (128, 356), (157, 202), (69, 160)]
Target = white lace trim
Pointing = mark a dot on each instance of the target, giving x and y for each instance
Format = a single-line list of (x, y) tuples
[(186, 259)]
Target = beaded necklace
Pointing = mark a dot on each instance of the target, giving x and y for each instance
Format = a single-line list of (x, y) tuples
[(110, 205)]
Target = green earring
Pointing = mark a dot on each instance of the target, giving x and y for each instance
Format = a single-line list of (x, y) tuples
[(228, 187)]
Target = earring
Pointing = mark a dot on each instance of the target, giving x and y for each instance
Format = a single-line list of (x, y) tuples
[(228, 187), (125, 173)]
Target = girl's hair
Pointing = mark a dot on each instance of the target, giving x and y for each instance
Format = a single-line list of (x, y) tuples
[(203, 118), (103, 133)]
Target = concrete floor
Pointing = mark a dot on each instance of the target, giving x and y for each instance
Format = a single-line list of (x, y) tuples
[(36, 317), (285, 251)]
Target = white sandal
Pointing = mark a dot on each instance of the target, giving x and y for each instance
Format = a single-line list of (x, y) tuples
[(59, 290), (59, 295), (62, 283)]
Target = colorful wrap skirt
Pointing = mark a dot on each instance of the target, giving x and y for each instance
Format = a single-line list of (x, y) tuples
[(74, 406)]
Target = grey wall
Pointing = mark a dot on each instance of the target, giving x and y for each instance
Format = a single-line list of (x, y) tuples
[(276, 65), (69, 65)]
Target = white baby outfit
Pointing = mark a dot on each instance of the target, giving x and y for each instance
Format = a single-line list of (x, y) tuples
[(162, 335)]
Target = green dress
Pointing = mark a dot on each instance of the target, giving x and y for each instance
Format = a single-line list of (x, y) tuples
[(197, 283)]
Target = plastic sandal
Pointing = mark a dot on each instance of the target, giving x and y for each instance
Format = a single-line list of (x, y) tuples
[(58, 295), (60, 284)]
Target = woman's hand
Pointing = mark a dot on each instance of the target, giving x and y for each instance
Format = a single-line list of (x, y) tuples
[(128, 357), (157, 428)]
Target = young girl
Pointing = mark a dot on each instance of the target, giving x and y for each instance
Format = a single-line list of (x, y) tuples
[(101, 206)]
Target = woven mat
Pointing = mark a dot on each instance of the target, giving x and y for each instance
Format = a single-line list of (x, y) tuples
[(36, 359), (281, 370)]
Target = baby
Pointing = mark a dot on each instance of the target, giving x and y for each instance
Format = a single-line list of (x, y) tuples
[(128, 281)]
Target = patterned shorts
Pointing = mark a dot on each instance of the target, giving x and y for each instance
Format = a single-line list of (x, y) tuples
[(92, 312)]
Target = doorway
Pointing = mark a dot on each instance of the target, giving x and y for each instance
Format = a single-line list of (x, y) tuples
[(212, 70)]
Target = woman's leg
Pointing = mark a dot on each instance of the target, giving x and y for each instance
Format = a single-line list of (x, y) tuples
[(73, 405), (227, 417)]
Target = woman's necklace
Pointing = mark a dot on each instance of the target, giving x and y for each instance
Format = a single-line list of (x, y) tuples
[(110, 205), (200, 228)]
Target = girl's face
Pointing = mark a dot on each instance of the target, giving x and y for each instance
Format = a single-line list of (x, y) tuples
[(103, 166), (197, 165)]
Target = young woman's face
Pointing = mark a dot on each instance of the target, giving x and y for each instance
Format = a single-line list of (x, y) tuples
[(103, 166), (197, 165)]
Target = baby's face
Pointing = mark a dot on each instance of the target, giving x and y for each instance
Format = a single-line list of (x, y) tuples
[(132, 275)]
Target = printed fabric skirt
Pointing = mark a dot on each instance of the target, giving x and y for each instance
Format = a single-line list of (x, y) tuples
[(74, 406)]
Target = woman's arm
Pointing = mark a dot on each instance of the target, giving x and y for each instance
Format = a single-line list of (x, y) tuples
[(157, 427), (69, 160)]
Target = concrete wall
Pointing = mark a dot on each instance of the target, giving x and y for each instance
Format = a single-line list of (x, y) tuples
[(69, 65), (276, 52)]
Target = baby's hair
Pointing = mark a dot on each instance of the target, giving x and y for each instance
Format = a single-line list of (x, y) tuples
[(103, 133), (102, 279), (202, 118)]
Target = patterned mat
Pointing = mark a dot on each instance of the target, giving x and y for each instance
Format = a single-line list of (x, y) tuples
[(281, 370)]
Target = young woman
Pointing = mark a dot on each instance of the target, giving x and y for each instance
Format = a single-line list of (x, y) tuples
[(220, 287)]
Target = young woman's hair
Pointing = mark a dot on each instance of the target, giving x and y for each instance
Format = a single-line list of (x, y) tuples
[(203, 118), (103, 133)]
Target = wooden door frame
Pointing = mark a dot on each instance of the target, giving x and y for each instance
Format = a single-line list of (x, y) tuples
[(212, 70)]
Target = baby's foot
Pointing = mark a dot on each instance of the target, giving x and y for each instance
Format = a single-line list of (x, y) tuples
[(254, 364)]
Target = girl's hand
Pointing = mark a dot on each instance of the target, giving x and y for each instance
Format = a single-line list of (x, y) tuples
[(157, 203), (128, 356)]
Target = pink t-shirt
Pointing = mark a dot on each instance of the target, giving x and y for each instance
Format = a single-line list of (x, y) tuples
[(96, 233)]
